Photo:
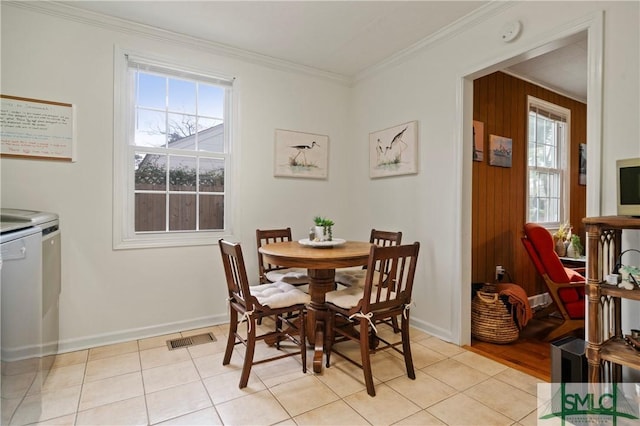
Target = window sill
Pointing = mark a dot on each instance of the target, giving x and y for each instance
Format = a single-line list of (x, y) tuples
[(178, 239)]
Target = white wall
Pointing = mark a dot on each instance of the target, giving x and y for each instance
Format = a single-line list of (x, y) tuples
[(425, 88), (110, 295)]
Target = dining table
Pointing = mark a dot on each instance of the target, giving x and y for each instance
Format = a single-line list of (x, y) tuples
[(321, 261)]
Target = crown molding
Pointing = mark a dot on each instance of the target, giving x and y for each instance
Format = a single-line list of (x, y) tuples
[(65, 11), (479, 15), (75, 14)]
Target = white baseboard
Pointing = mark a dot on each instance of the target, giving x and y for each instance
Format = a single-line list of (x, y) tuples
[(431, 329), (539, 300), (71, 345)]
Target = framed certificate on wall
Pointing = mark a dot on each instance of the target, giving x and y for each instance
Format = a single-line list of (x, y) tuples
[(37, 128)]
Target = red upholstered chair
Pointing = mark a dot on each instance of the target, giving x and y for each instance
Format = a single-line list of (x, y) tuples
[(566, 286)]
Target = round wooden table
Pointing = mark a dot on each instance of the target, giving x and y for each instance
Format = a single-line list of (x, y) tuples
[(321, 263)]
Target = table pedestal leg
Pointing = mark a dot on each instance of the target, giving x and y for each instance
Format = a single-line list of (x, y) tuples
[(321, 281)]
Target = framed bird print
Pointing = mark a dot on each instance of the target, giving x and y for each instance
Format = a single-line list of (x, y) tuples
[(301, 155), (394, 151)]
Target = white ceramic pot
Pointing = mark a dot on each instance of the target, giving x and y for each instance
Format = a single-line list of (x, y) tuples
[(320, 234)]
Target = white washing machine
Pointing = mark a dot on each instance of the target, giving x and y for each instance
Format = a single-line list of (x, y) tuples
[(31, 283), (21, 281)]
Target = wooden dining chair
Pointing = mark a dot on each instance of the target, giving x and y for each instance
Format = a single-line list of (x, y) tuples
[(381, 298), (272, 273), (279, 300), (355, 276)]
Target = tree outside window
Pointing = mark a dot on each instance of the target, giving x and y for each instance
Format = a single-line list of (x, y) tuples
[(176, 154)]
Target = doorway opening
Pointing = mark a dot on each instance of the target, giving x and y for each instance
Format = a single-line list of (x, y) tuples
[(529, 350)]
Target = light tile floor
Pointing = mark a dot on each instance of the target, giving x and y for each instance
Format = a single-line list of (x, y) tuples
[(143, 382)]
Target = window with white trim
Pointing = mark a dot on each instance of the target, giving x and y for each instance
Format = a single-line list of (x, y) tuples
[(547, 163), (173, 161)]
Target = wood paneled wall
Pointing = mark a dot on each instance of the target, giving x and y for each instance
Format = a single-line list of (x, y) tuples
[(498, 217)]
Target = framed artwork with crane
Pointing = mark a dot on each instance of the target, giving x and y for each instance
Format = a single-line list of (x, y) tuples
[(301, 155), (394, 151)]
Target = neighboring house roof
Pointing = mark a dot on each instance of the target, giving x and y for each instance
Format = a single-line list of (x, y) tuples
[(209, 140)]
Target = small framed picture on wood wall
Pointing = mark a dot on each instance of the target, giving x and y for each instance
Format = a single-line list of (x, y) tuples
[(500, 153), (478, 140), (582, 176)]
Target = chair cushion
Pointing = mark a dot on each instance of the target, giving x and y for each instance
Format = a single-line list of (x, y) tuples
[(568, 295), (279, 295), (575, 309), (289, 275), (533, 254), (574, 276), (349, 297), (543, 242), (354, 277), (574, 295), (571, 295), (351, 277)]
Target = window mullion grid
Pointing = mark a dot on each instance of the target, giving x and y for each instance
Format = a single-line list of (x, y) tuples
[(197, 149), (167, 217), (197, 192), (167, 191), (555, 173), (171, 154)]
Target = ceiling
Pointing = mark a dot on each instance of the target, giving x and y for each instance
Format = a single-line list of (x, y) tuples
[(563, 70), (340, 37)]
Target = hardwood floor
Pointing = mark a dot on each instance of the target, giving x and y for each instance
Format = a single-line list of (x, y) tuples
[(529, 354)]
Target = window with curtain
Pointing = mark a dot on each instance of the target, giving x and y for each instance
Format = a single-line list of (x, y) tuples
[(174, 159), (547, 163)]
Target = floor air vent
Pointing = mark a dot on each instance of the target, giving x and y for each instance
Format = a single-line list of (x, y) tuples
[(184, 342)]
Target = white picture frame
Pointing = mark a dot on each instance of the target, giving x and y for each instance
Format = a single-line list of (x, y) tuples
[(394, 151), (500, 151), (37, 128), (301, 154)]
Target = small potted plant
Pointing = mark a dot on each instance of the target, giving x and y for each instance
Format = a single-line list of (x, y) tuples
[(575, 247), (324, 228)]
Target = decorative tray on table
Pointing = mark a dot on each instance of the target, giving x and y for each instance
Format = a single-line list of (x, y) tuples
[(332, 243)]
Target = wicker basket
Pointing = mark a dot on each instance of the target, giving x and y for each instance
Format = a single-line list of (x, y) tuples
[(491, 320)]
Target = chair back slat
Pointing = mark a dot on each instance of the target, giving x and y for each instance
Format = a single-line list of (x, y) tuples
[(385, 238), (269, 236), (236, 274), (391, 289)]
